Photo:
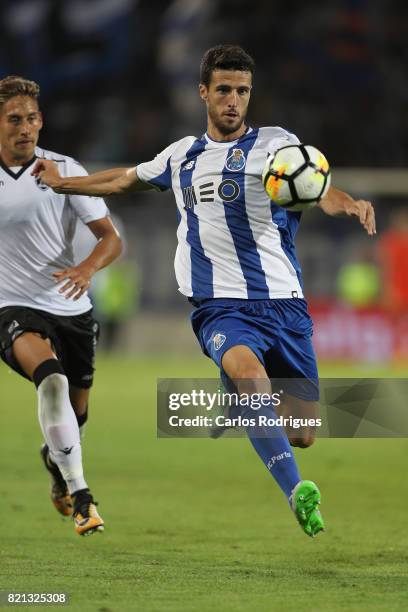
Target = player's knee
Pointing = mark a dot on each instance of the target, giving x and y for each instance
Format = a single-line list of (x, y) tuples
[(53, 386), (248, 371), (51, 382), (79, 405), (251, 379), (301, 441)]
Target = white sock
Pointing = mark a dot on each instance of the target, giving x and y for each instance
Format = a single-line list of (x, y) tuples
[(60, 429)]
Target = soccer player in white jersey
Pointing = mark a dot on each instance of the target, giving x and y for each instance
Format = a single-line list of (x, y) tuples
[(236, 260), (47, 331)]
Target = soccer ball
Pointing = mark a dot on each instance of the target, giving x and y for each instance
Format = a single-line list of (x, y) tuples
[(296, 177)]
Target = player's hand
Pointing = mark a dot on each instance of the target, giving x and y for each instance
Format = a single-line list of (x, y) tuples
[(364, 210), (78, 281), (47, 171)]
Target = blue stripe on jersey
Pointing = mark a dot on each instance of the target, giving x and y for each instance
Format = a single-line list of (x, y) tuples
[(163, 181), (288, 223), (238, 224), (201, 266)]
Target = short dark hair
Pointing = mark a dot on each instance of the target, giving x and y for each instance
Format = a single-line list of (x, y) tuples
[(12, 86), (224, 57)]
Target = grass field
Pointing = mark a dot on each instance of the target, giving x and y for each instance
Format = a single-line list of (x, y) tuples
[(198, 524)]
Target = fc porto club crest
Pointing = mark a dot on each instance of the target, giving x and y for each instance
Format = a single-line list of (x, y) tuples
[(236, 161), (218, 340)]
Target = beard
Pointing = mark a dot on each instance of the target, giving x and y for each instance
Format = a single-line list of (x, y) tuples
[(23, 154), (226, 128)]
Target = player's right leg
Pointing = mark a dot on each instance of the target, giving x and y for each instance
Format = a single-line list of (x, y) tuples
[(59, 490), (79, 399), (58, 422), (236, 334), (270, 442), (59, 494), (297, 410)]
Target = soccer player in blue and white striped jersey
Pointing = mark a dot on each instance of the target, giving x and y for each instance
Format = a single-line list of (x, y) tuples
[(236, 260)]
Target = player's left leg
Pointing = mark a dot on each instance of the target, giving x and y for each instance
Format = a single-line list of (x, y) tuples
[(300, 419), (80, 401)]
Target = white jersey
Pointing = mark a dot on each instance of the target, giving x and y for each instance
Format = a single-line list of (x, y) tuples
[(37, 226), (233, 242)]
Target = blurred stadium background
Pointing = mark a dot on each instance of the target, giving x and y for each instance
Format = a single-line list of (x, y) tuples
[(119, 83), (198, 524)]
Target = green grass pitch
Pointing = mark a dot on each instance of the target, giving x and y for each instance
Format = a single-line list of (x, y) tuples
[(197, 525)]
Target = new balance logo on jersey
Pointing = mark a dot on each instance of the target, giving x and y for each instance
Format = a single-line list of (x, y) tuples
[(189, 197), (189, 165)]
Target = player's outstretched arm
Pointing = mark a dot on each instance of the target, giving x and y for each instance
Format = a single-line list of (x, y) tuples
[(105, 183), (337, 202), (109, 247)]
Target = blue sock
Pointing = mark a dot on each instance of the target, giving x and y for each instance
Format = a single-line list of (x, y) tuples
[(272, 445)]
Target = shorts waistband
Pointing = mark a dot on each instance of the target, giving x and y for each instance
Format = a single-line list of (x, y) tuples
[(241, 301)]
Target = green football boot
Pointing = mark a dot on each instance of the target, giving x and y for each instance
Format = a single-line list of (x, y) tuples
[(305, 500)]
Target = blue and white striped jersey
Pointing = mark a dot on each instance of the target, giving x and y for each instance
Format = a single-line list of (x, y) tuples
[(232, 240)]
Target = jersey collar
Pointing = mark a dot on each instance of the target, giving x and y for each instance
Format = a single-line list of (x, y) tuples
[(16, 175), (226, 143)]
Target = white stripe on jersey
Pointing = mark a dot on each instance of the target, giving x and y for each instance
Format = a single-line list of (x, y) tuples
[(265, 231), (182, 260), (215, 235)]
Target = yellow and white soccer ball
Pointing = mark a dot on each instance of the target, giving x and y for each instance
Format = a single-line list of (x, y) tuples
[(296, 177)]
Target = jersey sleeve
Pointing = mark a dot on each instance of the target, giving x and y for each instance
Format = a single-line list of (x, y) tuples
[(283, 139), (87, 208), (157, 172)]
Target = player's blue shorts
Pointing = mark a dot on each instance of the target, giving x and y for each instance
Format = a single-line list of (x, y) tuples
[(278, 331)]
